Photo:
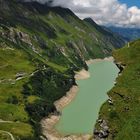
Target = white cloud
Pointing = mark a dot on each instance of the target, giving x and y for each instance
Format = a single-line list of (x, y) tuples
[(105, 12)]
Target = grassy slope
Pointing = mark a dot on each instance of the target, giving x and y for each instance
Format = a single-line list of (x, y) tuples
[(12, 107), (123, 116), (24, 102)]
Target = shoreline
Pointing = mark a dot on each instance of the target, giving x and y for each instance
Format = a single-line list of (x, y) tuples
[(92, 61), (48, 124)]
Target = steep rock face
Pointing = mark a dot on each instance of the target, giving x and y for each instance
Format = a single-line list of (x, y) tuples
[(40, 48)]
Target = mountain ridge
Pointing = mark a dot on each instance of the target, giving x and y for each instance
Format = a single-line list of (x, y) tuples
[(106, 31)]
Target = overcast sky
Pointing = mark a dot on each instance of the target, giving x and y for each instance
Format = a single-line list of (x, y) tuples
[(104, 12)]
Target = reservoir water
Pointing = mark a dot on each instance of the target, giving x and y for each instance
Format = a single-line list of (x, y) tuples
[(81, 114)]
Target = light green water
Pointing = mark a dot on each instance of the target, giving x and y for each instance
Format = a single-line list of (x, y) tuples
[(81, 114)]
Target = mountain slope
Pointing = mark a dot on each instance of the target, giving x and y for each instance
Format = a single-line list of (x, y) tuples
[(128, 33), (114, 38), (40, 48), (121, 113)]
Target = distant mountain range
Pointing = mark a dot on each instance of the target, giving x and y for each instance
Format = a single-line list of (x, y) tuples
[(128, 33)]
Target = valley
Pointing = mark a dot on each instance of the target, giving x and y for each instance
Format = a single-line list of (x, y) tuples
[(41, 49)]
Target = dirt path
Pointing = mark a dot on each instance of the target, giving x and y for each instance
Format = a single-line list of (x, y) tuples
[(8, 133), (3, 66), (2, 121)]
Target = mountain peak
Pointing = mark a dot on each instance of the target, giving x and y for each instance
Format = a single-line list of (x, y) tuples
[(90, 20)]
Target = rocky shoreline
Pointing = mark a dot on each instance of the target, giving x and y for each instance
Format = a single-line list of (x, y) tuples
[(48, 123), (103, 131)]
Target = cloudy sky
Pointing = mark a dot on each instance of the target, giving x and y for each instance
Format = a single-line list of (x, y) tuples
[(124, 13)]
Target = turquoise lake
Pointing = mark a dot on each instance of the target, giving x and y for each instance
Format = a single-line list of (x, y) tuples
[(80, 115)]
